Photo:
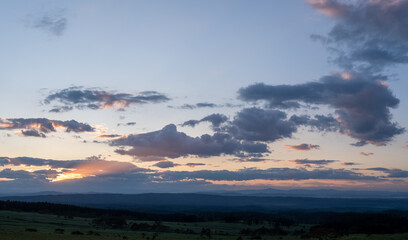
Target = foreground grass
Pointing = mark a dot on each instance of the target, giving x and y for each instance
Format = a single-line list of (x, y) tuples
[(35, 226)]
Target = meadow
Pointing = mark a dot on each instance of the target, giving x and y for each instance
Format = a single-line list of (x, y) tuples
[(33, 226)]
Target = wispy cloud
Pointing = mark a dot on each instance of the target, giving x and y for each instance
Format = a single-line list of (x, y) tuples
[(52, 22), (81, 98), (366, 153)]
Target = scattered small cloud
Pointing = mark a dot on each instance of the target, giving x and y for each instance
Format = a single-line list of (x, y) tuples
[(193, 165), (349, 163), (366, 153), (109, 136), (302, 147), (312, 162), (166, 164), (126, 124)]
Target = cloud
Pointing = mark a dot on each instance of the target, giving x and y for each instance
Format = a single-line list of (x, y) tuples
[(80, 98), (312, 162), (250, 159), (112, 176), (361, 104), (319, 122), (38, 127), (392, 173), (368, 35), (329, 7), (405, 146), (32, 133), (199, 105), (166, 164), (255, 124), (127, 124), (53, 22), (170, 143), (302, 147), (109, 136), (193, 165), (215, 119), (267, 174), (349, 163), (69, 169), (366, 153)]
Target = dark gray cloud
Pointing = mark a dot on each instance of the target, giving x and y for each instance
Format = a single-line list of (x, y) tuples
[(53, 22), (215, 119), (302, 147), (32, 133), (319, 122), (255, 124), (312, 162), (362, 105), (168, 142), (81, 98), (38, 127), (368, 35), (166, 164)]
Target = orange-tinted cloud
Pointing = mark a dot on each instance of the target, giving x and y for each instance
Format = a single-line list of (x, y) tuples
[(366, 153)]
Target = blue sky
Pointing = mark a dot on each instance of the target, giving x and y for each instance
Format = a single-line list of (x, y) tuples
[(110, 84)]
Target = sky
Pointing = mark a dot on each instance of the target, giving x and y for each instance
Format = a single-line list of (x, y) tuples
[(189, 96)]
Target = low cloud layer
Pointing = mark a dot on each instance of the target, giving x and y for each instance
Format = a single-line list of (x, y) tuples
[(56, 170), (82, 98), (39, 127), (113, 176)]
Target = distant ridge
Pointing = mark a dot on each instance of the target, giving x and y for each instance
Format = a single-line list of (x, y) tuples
[(184, 202)]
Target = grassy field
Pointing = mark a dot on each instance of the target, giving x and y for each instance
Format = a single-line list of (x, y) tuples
[(35, 226)]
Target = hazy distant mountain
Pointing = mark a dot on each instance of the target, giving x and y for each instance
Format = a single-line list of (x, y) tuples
[(164, 202), (319, 193)]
